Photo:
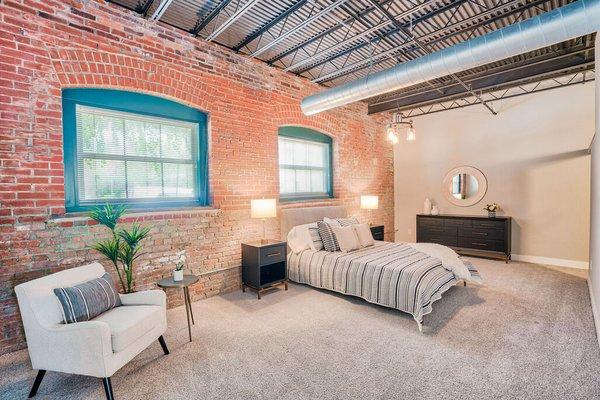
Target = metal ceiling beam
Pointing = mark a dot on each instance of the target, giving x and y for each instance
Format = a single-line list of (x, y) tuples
[(436, 36), (503, 77), (270, 24), (578, 78), (234, 17), (389, 33), (160, 10), (408, 34), (201, 24), (359, 36), (298, 27), (145, 8), (583, 49), (334, 28)]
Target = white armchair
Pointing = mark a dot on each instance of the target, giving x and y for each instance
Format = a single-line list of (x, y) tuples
[(98, 347)]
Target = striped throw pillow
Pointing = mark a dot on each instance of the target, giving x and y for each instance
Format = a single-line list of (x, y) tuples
[(88, 300), (313, 230), (330, 242)]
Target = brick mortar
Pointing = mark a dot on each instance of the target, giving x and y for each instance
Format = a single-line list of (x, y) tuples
[(50, 45)]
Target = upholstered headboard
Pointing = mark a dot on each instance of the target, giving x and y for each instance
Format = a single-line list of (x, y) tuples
[(291, 217)]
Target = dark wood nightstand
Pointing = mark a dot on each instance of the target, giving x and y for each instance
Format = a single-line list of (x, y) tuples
[(377, 232), (264, 265)]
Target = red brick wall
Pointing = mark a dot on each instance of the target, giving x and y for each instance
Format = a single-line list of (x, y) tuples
[(49, 45)]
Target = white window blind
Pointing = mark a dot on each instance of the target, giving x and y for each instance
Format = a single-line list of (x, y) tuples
[(128, 157), (303, 167)]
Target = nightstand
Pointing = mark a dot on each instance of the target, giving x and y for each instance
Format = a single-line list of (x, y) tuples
[(264, 265), (377, 232)]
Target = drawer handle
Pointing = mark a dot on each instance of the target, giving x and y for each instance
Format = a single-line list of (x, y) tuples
[(273, 254), (480, 233), (479, 244), (436, 230)]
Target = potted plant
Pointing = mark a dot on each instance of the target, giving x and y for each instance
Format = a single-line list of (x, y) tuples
[(178, 271), (122, 248), (492, 209)]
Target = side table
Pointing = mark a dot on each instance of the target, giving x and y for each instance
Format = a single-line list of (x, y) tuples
[(188, 280)]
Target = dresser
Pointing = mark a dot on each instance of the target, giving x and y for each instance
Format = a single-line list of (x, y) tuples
[(264, 265), (468, 235)]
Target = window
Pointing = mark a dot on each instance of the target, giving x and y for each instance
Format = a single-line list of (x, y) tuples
[(130, 148), (305, 170)]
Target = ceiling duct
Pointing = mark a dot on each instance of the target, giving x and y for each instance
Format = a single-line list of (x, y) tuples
[(576, 19)]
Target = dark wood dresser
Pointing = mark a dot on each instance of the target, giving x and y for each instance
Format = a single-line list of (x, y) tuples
[(468, 235)]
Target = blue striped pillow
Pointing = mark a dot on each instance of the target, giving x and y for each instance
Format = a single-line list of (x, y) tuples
[(88, 299)]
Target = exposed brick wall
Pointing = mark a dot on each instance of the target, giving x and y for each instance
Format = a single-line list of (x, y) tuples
[(49, 45)]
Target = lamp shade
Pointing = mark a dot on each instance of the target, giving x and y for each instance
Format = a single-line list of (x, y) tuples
[(369, 202), (263, 208)]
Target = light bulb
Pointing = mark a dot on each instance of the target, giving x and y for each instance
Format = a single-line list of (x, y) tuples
[(411, 134), (393, 137)]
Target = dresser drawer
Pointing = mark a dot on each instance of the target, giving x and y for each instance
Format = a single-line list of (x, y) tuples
[(272, 254), (437, 230), (439, 239), (480, 233), (456, 222), (481, 244), (425, 221), (482, 223)]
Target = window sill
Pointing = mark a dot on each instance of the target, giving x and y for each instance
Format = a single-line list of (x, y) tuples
[(81, 218), (304, 199)]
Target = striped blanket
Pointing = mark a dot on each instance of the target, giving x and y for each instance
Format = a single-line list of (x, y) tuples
[(389, 274)]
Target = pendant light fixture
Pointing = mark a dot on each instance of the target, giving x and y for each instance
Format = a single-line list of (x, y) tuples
[(395, 128)]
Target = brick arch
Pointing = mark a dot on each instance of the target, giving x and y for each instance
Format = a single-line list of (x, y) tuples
[(92, 68), (292, 115)]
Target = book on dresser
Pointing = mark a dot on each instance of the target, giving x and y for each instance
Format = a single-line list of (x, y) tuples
[(468, 235)]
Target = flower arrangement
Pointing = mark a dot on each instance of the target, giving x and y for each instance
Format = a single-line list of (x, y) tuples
[(123, 244), (179, 265), (492, 209)]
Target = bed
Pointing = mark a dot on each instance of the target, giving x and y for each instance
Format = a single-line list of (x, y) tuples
[(389, 274)]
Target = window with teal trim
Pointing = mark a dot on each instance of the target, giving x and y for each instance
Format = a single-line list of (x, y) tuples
[(305, 164), (134, 149)]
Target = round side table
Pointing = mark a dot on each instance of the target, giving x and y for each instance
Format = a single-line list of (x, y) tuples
[(187, 281)]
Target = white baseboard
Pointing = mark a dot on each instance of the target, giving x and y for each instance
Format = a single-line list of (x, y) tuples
[(559, 262), (595, 311)]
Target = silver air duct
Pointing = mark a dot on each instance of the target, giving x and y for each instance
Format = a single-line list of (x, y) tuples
[(576, 19)]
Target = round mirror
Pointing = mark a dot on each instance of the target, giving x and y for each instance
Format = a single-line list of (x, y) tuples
[(464, 186)]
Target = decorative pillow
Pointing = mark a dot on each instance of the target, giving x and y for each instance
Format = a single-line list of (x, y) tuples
[(346, 238), (317, 242), (88, 299), (341, 221), (298, 238), (328, 237), (364, 235)]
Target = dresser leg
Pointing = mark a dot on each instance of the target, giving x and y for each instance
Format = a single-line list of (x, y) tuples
[(464, 283), (243, 288), (286, 285)]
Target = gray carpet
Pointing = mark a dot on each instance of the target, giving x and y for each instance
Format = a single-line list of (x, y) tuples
[(527, 334)]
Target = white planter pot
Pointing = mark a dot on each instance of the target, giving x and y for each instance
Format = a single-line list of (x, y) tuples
[(177, 275)]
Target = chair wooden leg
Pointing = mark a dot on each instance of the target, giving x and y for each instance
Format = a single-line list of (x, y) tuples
[(163, 344), (37, 382), (108, 389)]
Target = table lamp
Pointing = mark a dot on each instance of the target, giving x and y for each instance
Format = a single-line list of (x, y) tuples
[(369, 202), (263, 209)]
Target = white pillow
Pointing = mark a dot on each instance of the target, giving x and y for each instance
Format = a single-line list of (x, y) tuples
[(298, 238), (346, 238), (331, 222), (363, 232)]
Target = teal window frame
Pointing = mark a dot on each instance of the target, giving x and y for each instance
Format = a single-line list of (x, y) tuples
[(137, 103), (299, 132)]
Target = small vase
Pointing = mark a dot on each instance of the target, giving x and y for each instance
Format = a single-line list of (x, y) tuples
[(435, 210), (177, 275), (491, 214), (427, 207)]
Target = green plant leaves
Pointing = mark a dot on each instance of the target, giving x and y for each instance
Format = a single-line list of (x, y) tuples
[(108, 215), (134, 235)]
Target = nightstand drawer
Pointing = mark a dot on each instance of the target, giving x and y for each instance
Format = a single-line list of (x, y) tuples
[(272, 254)]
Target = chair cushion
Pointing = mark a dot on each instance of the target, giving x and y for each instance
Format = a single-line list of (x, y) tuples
[(87, 300), (128, 323)]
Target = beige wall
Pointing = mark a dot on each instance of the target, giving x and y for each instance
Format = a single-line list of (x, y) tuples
[(534, 155)]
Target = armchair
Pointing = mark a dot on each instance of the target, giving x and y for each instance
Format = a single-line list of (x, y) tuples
[(98, 347)]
